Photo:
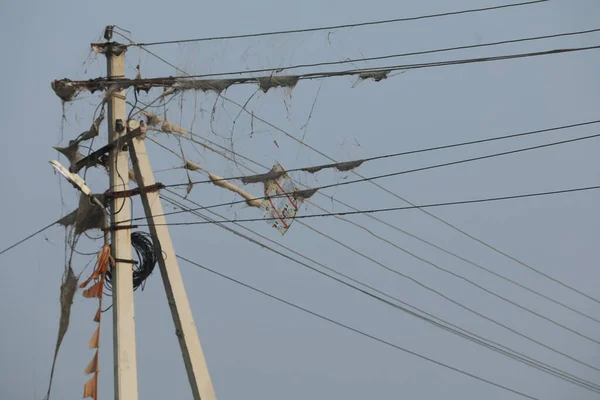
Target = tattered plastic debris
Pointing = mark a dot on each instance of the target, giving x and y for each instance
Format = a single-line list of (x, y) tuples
[(250, 199), (341, 166), (282, 203), (168, 127), (268, 82), (210, 85), (93, 131), (377, 76), (151, 119), (71, 152), (87, 216), (68, 288), (192, 166), (64, 89), (281, 200), (162, 125)]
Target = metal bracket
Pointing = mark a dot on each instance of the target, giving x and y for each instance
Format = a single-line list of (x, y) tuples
[(95, 158), (119, 227), (139, 190), (121, 260)]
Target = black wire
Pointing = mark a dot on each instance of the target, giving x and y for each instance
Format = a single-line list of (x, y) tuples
[(461, 332), (519, 196), (341, 26), (28, 237), (147, 255), (387, 175), (102, 84), (404, 153), (359, 331), (414, 53)]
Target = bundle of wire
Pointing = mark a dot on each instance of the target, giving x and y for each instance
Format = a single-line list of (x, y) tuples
[(147, 256)]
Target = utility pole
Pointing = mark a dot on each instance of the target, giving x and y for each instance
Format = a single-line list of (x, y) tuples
[(129, 136), (125, 361), (185, 328)]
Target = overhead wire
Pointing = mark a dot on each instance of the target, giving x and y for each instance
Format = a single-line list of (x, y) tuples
[(190, 82), (361, 161), (386, 223), (391, 174), (332, 27), (461, 332), (450, 225), (362, 333), (399, 55), (420, 258), (371, 211), (25, 239), (443, 221), (244, 109), (429, 289)]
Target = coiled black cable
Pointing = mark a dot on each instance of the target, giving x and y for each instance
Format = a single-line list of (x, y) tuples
[(147, 256)]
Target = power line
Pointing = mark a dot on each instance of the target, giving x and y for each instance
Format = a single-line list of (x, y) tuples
[(443, 221), (450, 225), (466, 308), (398, 55), (494, 346), (369, 179), (360, 332), (379, 210), (331, 27), (372, 233), (266, 82), (28, 237), (361, 161)]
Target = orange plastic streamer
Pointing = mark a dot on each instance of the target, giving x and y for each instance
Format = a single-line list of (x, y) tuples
[(95, 291)]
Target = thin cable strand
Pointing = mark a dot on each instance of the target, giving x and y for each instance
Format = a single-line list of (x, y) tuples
[(331, 27), (363, 333), (469, 336), (28, 237), (191, 82), (376, 219), (399, 55), (452, 226), (361, 161), (371, 211), (418, 283)]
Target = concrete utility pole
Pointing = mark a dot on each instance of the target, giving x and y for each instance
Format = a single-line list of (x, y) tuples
[(185, 328), (125, 362), (123, 136)]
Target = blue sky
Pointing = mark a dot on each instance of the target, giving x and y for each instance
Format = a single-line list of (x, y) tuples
[(258, 348)]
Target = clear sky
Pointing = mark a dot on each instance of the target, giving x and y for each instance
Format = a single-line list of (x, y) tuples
[(256, 347)]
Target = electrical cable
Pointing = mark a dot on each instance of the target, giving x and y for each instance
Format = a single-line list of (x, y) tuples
[(494, 346), (365, 179), (398, 55), (29, 237), (147, 255), (363, 333), (377, 236), (378, 210), (452, 226), (479, 266), (332, 27), (377, 73), (410, 152), (443, 221), (370, 294)]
